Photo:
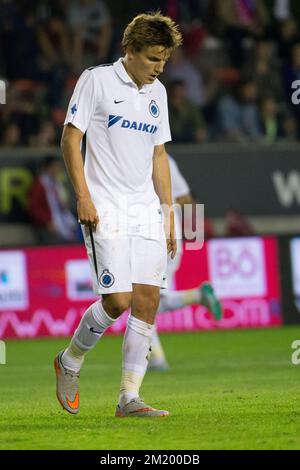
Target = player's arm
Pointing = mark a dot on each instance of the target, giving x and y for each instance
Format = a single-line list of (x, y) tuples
[(184, 200), (70, 146), (162, 184)]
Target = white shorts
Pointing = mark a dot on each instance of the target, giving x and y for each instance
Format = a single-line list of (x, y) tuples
[(119, 260)]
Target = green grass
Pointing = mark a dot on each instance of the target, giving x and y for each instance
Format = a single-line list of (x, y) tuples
[(225, 390)]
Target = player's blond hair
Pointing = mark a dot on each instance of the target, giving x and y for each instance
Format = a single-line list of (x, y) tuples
[(151, 29)]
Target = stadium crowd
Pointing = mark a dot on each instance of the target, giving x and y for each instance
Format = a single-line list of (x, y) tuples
[(231, 81)]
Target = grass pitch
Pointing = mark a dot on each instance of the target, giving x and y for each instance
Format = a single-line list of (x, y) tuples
[(225, 390)]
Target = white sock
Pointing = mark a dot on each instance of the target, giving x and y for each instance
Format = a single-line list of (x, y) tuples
[(136, 346), (157, 353), (177, 299), (93, 324)]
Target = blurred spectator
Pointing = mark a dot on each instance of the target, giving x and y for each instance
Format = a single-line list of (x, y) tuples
[(290, 128), (48, 209), (237, 224), (238, 114), (54, 40), (269, 114), (241, 19), (24, 52), (11, 136), (46, 136), (19, 42), (21, 109), (186, 120), (181, 68), (287, 35), (282, 9), (91, 30), (265, 70)]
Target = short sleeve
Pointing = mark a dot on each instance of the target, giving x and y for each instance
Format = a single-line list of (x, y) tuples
[(83, 102), (163, 133)]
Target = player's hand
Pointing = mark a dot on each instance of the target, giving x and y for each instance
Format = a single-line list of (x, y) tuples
[(172, 247), (170, 235), (87, 214)]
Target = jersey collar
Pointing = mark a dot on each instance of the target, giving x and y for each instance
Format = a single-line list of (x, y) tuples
[(121, 72)]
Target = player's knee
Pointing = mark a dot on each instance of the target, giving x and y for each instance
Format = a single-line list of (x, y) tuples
[(145, 302), (115, 305)]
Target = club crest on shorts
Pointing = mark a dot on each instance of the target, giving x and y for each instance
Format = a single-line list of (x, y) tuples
[(154, 109), (106, 279)]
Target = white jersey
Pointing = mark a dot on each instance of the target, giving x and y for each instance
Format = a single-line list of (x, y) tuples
[(122, 124)]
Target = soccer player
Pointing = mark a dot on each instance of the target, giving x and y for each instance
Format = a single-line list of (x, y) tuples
[(118, 116), (172, 300)]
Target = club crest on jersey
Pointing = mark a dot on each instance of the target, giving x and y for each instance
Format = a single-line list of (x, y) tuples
[(154, 109), (106, 279)]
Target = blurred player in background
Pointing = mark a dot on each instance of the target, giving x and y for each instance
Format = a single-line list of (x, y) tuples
[(118, 115), (172, 300), (48, 207)]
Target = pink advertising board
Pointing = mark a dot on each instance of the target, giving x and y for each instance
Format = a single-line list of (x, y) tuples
[(45, 291)]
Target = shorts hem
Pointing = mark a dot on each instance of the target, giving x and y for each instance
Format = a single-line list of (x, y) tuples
[(111, 290), (162, 284)]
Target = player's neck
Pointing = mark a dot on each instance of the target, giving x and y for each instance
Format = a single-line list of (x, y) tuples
[(131, 75)]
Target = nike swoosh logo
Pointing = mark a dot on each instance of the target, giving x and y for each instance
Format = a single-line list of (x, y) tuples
[(96, 332), (118, 101), (141, 410), (74, 404)]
